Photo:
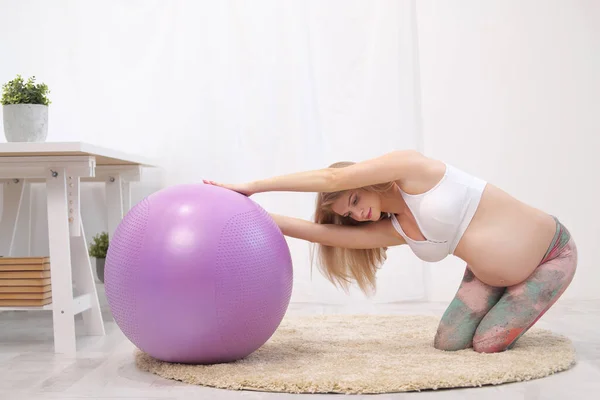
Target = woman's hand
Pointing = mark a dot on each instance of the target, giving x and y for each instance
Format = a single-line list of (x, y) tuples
[(243, 188)]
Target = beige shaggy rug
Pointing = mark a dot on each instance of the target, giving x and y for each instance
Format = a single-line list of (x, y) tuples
[(370, 354)]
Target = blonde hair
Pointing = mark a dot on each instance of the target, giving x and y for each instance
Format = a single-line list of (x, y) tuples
[(342, 266)]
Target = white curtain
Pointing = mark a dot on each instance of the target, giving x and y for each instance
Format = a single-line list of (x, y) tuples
[(230, 91)]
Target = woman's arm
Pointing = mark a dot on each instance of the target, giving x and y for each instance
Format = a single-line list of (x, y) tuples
[(394, 166), (389, 167), (369, 236)]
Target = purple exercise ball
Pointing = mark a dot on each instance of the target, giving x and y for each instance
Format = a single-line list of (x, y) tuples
[(198, 274)]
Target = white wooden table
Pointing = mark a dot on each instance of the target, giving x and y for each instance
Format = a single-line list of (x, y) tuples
[(62, 166)]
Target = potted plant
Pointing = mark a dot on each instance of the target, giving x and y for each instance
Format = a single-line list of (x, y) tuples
[(98, 249), (25, 110)]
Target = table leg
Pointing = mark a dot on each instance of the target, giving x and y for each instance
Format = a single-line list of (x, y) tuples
[(84, 281), (28, 202), (114, 202), (12, 200), (60, 262), (126, 192)]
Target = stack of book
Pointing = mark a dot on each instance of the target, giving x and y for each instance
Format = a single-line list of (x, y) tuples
[(25, 281)]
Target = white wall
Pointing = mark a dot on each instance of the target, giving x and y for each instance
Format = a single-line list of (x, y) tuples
[(229, 91), (511, 92)]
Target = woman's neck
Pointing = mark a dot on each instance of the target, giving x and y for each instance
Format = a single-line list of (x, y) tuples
[(393, 202)]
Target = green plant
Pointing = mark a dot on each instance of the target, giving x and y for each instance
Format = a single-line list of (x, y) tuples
[(99, 245), (18, 91)]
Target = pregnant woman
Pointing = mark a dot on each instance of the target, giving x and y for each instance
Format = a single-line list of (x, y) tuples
[(519, 259)]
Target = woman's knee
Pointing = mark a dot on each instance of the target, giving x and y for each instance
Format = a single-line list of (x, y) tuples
[(495, 342), (448, 339)]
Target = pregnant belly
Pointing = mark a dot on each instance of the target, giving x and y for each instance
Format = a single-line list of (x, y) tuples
[(506, 239)]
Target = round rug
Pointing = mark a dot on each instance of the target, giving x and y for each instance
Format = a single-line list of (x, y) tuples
[(370, 354)]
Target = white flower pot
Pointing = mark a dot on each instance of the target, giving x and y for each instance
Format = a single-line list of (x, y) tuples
[(100, 262), (25, 122)]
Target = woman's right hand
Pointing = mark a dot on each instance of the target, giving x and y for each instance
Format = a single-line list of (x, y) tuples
[(243, 188)]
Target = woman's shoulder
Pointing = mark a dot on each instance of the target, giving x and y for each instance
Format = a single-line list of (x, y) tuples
[(425, 173)]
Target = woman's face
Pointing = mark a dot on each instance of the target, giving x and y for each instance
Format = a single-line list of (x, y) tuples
[(360, 205)]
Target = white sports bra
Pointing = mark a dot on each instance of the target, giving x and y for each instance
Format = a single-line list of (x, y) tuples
[(442, 213)]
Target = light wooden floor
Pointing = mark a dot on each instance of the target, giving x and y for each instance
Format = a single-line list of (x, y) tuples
[(104, 367)]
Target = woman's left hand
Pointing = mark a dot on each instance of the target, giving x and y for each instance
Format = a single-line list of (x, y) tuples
[(243, 188)]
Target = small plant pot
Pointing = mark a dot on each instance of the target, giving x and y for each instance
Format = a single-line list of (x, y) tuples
[(25, 122), (100, 268)]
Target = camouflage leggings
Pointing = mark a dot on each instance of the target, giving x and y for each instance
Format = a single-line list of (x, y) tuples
[(491, 319)]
